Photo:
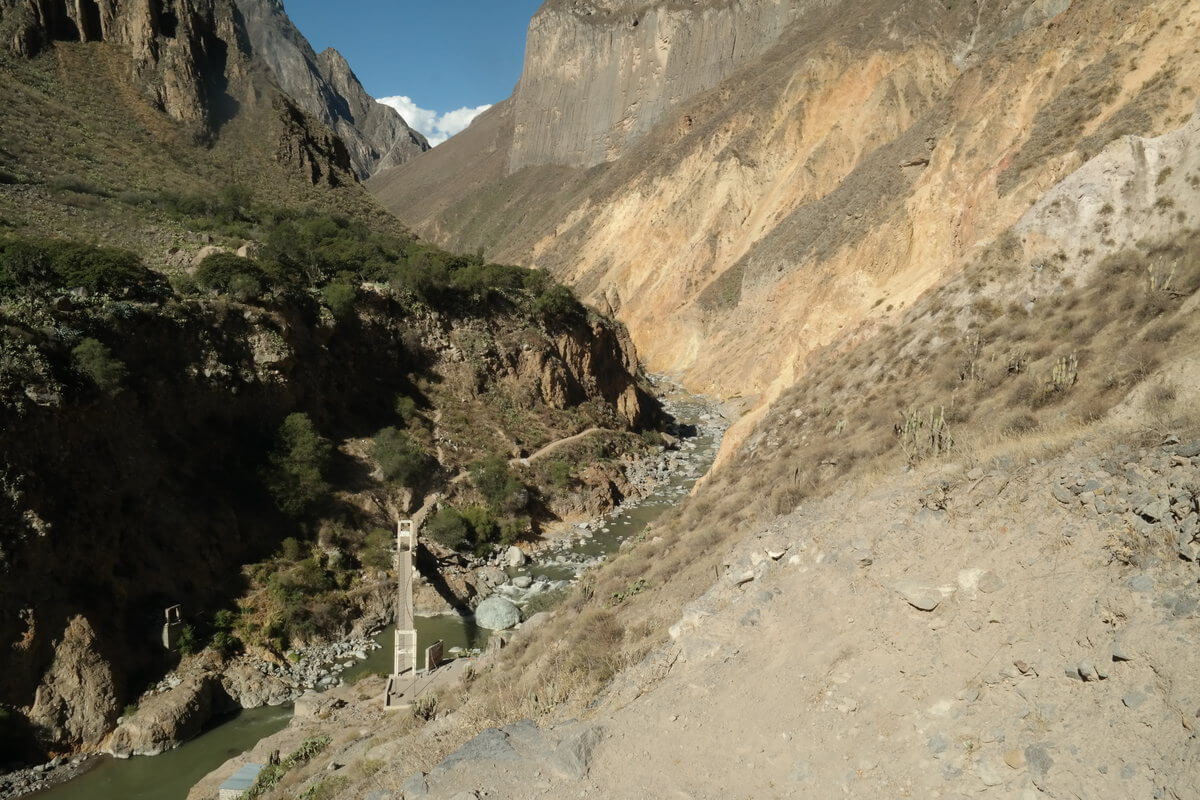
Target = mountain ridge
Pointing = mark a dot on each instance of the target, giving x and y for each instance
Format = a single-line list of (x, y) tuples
[(326, 87)]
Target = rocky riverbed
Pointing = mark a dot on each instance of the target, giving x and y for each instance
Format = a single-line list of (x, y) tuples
[(532, 576)]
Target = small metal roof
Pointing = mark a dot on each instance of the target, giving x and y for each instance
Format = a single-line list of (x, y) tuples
[(244, 778)]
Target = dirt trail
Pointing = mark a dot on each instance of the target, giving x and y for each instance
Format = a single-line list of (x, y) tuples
[(554, 446), (810, 670), (419, 515)]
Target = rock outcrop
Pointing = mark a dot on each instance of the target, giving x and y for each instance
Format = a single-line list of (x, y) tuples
[(497, 614), (186, 55), (76, 703), (325, 87)]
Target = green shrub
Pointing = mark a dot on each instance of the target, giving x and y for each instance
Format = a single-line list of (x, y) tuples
[(378, 550), (399, 457), (483, 525), (291, 549), (226, 273), (483, 280), (189, 642), (40, 265), (449, 528), (514, 530), (558, 472), (473, 528), (557, 302), (295, 475), (498, 485), (224, 640), (96, 361), (406, 408), (340, 297), (104, 270)]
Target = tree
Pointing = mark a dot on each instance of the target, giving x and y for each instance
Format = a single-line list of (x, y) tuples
[(226, 273), (449, 528), (339, 296), (96, 361), (378, 550), (399, 457), (498, 485), (297, 463), (557, 302)]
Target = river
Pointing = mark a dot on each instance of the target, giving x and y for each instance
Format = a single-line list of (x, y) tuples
[(170, 775)]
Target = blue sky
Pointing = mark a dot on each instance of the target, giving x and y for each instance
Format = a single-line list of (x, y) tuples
[(439, 62)]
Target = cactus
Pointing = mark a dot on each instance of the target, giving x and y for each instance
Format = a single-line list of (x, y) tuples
[(1160, 282), (1065, 373), (924, 436)]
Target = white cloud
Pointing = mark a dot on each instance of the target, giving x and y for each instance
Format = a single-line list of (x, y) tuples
[(437, 126)]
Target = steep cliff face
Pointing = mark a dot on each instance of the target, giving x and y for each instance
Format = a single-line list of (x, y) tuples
[(809, 188), (599, 75), (205, 62), (188, 56), (326, 88)]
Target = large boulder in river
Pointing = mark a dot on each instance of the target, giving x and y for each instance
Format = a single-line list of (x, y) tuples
[(497, 614), (169, 719), (250, 688), (514, 556)]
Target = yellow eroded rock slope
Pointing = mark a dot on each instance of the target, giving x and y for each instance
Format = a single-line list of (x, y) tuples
[(857, 154)]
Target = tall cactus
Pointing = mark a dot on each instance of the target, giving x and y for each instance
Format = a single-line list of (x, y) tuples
[(924, 436), (1065, 372)]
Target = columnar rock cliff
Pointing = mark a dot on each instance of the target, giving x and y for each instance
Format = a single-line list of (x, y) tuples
[(325, 87), (739, 214)]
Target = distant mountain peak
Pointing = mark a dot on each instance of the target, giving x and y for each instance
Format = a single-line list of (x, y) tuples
[(325, 86)]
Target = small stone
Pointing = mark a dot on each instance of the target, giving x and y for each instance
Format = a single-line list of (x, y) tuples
[(918, 595), (1022, 667), (1038, 758), (1062, 494), (989, 774), (775, 555), (975, 474), (990, 582), (744, 578), (1087, 671), (1133, 699), (1014, 758), (1141, 583), (522, 581), (1190, 450)]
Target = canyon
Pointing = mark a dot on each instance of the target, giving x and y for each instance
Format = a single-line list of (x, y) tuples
[(939, 263)]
